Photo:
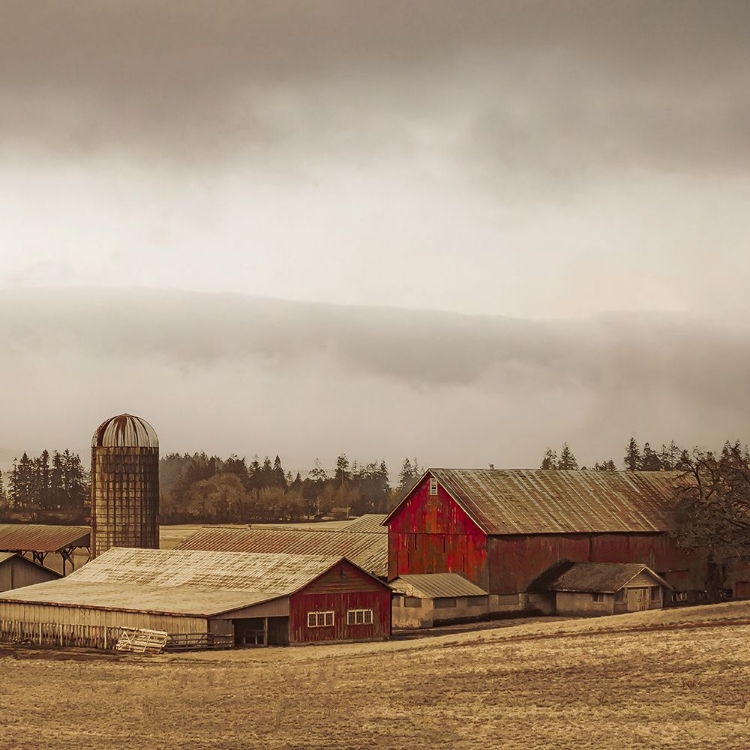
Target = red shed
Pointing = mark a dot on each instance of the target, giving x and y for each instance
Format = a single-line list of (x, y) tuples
[(501, 529)]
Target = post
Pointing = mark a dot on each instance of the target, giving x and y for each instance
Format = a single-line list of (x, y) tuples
[(265, 631)]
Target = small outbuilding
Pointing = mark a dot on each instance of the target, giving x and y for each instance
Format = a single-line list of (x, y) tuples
[(16, 571), (425, 600), (602, 588)]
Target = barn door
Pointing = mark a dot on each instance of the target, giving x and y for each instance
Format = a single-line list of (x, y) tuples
[(637, 600)]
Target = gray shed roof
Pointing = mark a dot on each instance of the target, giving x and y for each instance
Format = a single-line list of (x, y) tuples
[(435, 586), (560, 502), (370, 523), (239, 571), (176, 600), (182, 582), (368, 550), (606, 578)]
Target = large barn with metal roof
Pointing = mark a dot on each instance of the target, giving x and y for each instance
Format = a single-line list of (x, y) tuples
[(263, 599), (367, 549), (502, 529)]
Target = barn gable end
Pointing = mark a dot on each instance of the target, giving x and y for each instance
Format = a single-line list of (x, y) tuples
[(433, 534)]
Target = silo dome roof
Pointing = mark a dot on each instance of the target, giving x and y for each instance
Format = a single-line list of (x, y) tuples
[(125, 431)]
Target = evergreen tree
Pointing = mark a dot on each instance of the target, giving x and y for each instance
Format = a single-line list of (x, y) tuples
[(632, 457), (43, 481), (405, 476), (343, 475), (75, 480), (650, 460), (237, 466), (21, 482), (608, 465), (549, 461), (567, 460), (56, 490), (279, 477)]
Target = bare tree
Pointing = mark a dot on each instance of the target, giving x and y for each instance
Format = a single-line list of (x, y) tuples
[(712, 513)]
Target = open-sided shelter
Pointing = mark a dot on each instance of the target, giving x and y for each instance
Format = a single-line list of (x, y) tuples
[(39, 540), (262, 599)]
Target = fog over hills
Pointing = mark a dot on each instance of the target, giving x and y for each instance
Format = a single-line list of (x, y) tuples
[(225, 373)]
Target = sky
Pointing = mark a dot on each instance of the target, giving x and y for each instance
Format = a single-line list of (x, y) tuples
[(293, 228)]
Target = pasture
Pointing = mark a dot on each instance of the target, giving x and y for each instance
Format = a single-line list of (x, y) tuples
[(673, 679)]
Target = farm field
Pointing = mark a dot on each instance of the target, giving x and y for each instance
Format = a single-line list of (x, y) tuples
[(672, 679)]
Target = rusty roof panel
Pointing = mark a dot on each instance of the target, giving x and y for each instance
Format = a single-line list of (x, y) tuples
[(29, 537), (278, 574), (368, 550), (435, 586), (560, 502), (125, 431), (370, 523), (606, 578)]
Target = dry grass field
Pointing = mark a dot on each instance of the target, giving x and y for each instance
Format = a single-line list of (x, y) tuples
[(677, 679)]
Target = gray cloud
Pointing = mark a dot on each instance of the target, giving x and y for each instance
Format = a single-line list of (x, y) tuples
[(247, 374), (522, 87)]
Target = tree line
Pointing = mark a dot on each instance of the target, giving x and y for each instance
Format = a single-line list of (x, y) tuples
[(210, 489), (668, 458), (56, 482)]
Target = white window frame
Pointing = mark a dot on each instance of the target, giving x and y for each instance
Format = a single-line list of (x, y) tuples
[(359, 617), (597, 598), (679, 596), (320, 619), (433, 487)]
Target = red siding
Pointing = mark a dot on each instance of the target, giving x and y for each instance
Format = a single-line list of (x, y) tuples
[(342, 588), (516, 560), (432, 534)]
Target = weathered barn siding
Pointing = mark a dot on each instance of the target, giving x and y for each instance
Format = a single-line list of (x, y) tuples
[(514, 561), (17, 571), (413, 612), (41, 613), (576, 603), (432, 534), (340, 589)]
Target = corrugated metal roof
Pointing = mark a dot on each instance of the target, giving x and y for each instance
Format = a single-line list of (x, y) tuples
[(559, 502), (29, 537), (239, 571), (368, 550), (435, 586), (606, 578), (125, 431), (177, 600), (370, 523)]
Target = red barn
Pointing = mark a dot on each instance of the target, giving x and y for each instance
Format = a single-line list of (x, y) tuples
[(502, 529)]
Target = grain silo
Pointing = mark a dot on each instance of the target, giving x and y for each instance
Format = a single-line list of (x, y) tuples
[(124, 485)]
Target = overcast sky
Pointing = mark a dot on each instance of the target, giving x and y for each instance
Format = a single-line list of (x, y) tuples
[(536, 166)]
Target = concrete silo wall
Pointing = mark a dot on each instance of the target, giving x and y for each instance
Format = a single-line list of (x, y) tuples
[(124, 498)]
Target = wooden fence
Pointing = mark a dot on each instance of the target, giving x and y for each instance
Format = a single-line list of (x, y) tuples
[(98, 636), (59, 634)]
